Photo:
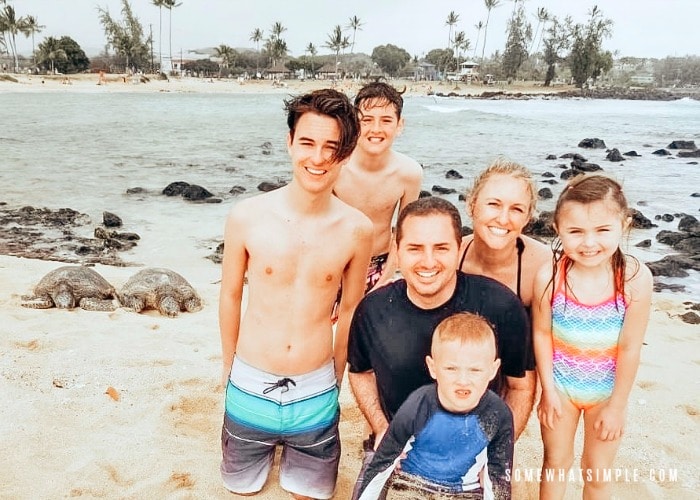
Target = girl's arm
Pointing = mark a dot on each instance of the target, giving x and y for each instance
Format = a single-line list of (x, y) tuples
[(549, 408), (611, 419)]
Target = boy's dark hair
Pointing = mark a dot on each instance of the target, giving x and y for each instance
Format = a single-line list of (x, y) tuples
[(330, 103), (380, 94), (432, 205)]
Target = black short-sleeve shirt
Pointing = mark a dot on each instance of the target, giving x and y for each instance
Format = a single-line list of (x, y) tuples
[(391, 336)]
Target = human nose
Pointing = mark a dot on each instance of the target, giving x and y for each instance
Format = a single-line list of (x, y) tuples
[(503, 215), (318, 157), (428, 258), (463, 378)]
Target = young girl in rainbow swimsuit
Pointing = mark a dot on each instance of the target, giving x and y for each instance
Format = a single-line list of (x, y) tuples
[(589, 317)]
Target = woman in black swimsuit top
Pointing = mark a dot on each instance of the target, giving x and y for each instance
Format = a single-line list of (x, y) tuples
[(500, 204)]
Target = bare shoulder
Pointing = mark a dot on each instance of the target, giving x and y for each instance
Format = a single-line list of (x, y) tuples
[(536, 252), (353, 217), (251, 209), (543, 275), (467, 239), (406, 165), (638, 278)]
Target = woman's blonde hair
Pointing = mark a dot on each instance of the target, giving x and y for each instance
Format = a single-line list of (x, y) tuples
[(502, 166)]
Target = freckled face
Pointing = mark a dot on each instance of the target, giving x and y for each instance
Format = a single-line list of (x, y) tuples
[(463, 372), (501, 210), (315, 141)]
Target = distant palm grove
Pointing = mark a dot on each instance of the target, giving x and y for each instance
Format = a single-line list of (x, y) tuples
[(548, 49)]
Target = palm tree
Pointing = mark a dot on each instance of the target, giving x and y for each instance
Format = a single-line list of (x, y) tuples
[(335, 43), (160, 4), (355, 24), (490, 4), (276, 46), (452, 20), (542, 17), (458, 42), (11, 25), (50, 50), (227, 56), (170, 5), (277, 30), (479, 26), (32, 26), (256, 36), (311, 49)]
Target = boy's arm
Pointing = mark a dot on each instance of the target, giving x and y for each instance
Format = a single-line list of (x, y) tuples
[(353, 280), (400, 430), (233, 268), (412, 183), (610, 421), (500, 455)]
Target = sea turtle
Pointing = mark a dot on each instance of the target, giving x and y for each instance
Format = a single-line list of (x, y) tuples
[(161, 289), (72, 286)]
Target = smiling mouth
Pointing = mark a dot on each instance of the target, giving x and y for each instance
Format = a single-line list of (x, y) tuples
[(424, 274), (590, 253), (375, 140), (463, 393), (315, 171), (498, 231)]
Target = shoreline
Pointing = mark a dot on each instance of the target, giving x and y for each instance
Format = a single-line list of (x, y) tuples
[(88, 82)]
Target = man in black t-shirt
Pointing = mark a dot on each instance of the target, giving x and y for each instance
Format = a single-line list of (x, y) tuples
[(392, 327)]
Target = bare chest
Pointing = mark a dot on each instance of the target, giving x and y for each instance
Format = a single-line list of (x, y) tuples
[(285, 253)]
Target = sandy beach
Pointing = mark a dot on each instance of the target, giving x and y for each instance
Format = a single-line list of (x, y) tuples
[(125, 405), (124, 83)]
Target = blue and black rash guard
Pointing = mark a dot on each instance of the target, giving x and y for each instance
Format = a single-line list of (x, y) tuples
[(445, 449)]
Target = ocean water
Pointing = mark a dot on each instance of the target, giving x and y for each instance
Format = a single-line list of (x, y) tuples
[(84, 150)]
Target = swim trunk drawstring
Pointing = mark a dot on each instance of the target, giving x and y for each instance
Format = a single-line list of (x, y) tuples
[(283, 383)]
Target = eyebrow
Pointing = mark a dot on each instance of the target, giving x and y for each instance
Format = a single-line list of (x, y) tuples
[(310, 139)]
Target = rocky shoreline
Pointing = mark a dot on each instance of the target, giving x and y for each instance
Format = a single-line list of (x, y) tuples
[(633, 94)]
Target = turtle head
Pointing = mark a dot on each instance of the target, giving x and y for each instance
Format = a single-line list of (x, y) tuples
[(168, 306), (63, 297)]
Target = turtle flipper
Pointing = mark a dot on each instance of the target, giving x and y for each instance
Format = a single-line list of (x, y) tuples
[(35, 302), (168, 306), (94, 304)]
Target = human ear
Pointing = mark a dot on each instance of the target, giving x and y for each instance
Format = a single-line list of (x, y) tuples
[(399, 128), (431, 366), (496, 365)]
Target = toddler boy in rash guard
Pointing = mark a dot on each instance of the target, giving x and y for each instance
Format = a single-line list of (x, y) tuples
[(454, 437)]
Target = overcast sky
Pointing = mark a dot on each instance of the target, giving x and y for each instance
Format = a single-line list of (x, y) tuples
[(643, 28)]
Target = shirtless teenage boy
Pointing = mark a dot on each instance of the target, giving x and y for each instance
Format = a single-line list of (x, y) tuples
[(378, 179), (281, 365)]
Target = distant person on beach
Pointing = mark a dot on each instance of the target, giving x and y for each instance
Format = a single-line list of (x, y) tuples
[(501, 203), (378, 180), (101, 80), (392, 327), (282, 363), (454, 436), (590, 313)]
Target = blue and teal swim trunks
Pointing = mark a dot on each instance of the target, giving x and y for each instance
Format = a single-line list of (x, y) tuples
[(300, 413)]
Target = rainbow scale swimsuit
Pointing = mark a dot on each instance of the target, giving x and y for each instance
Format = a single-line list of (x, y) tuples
[(584, 341)]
